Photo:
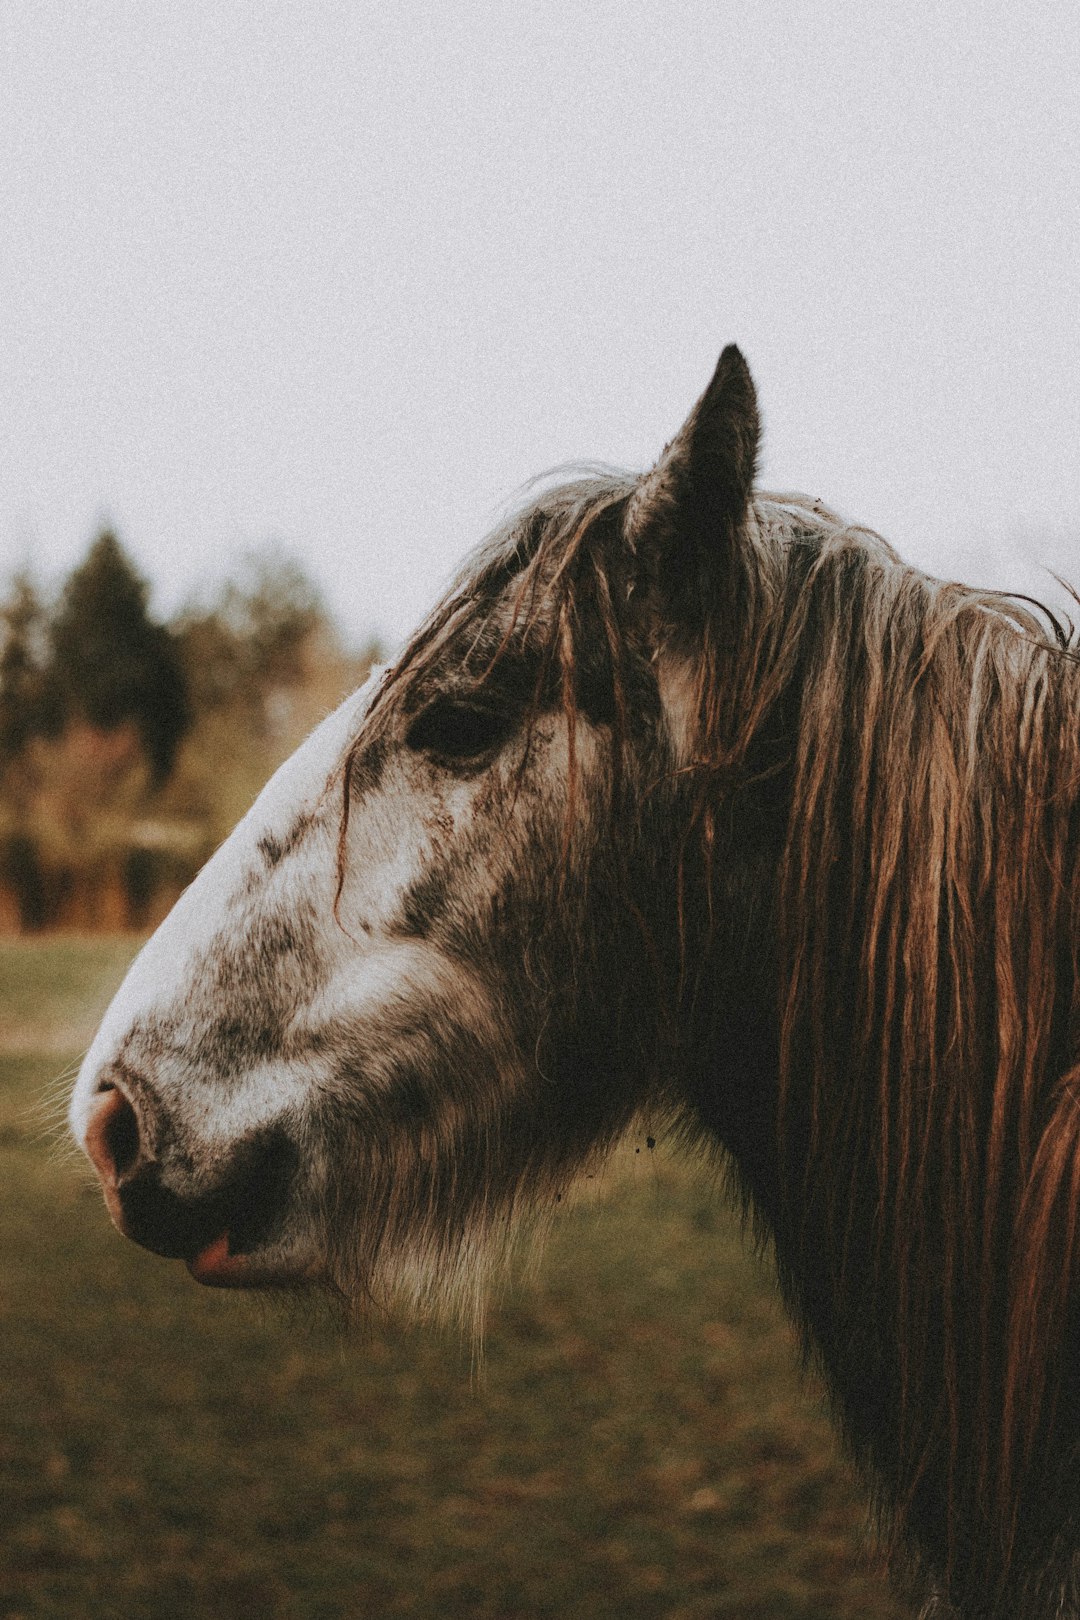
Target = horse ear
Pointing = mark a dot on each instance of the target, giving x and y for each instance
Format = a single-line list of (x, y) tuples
[(685, 514)]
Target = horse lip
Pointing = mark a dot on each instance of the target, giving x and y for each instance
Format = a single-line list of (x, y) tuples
[(216, 1267)]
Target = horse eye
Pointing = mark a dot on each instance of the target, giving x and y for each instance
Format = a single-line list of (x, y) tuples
[(457, 731)]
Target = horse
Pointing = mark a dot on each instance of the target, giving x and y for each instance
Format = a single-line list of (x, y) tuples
[(687, 802)]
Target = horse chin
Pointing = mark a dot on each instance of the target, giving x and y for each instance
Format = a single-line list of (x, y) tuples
[(217, 1267)]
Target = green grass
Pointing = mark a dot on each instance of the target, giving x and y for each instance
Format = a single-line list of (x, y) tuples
[(640, 1446)]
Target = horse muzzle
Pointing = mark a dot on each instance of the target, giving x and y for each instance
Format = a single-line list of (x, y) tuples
[(231, 1232)]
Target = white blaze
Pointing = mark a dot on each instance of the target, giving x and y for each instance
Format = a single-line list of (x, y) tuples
[(299, 787)]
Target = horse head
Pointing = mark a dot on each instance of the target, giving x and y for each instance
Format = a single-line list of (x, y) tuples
[(422, 984)]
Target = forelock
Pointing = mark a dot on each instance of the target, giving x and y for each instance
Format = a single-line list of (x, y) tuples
[(482, 613)]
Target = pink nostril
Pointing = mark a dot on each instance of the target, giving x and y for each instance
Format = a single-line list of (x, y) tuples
[(112, 1135)]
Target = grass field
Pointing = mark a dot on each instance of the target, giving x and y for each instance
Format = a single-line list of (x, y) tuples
[(640, 1446)]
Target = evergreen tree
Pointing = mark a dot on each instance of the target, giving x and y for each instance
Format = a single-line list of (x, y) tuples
[(23, 654), (111, 663)]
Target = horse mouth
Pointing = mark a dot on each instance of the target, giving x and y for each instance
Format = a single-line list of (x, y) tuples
[(237, 1234), (254, 1244), (220, 1266)]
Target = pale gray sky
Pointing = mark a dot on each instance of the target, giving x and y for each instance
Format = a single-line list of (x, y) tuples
[(345, 274)]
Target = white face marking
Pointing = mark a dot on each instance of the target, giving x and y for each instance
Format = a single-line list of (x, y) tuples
[(352, 966), (301, 786), (262, 1024)]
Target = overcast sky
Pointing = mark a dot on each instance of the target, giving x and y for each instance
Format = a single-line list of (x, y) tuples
[(345, 274)]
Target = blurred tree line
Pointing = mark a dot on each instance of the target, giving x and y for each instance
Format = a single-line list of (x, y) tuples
[(130, 747)]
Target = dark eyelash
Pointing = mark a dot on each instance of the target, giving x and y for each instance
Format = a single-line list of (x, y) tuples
[(453, 730)]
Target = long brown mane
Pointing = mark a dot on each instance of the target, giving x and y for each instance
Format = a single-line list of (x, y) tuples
[(927, 1187), (929, 1129), (928, 1126)]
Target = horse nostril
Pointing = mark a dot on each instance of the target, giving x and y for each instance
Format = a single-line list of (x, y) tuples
[(153, 1196), (112, 1135)]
